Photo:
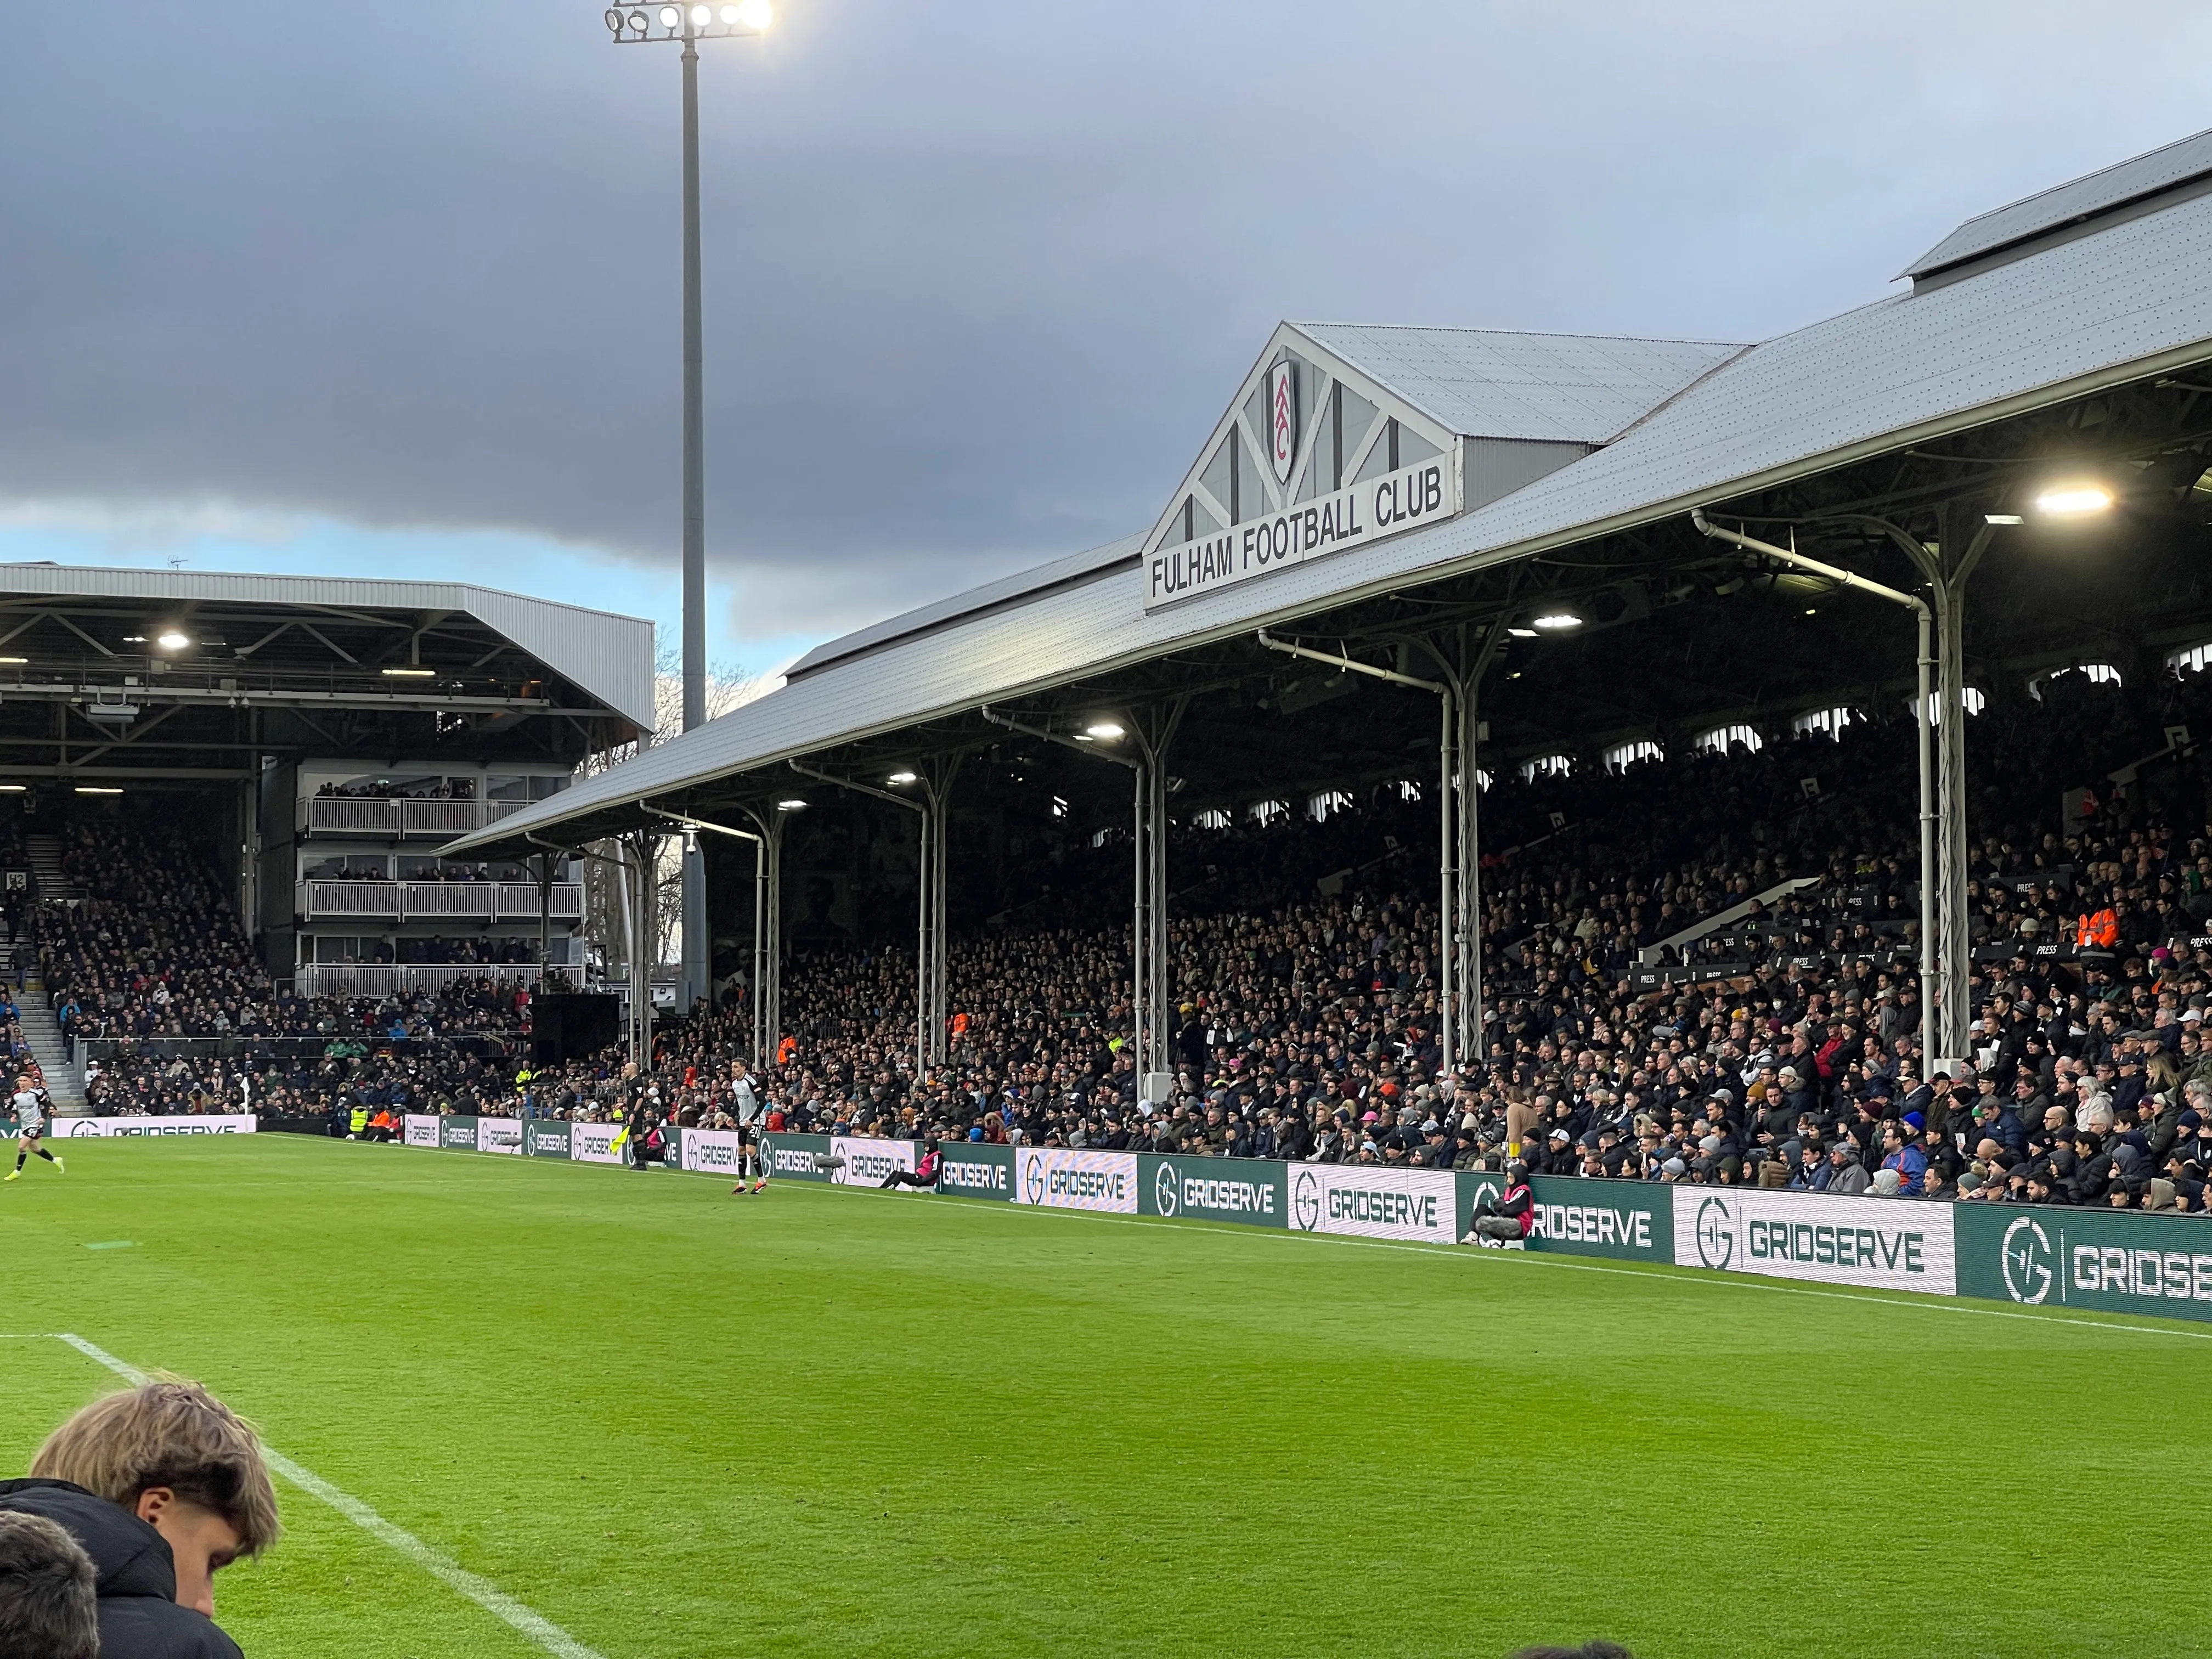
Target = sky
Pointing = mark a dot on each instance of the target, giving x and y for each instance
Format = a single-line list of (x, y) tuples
[(394, 289)]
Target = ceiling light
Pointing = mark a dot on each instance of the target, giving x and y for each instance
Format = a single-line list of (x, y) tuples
[(1557, 619), (1104, 730), (134, 639), (171, 640), (14, 662), (2002, 517), (1812, 610), (1522, 633), (95, 789), (756, 14), (901, 777), (794, 804), (2071, 500), (13, 788), (411, 673)]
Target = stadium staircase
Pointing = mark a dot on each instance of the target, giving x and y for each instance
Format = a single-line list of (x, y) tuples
[(35, 1014)]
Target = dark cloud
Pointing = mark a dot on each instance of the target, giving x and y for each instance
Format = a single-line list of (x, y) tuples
[(979, 275)]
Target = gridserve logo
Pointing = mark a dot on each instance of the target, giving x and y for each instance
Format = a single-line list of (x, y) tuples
[(1715, 1233), (1033, 1182), (1305, 1202), (1165, 1189), (2027, 1262)]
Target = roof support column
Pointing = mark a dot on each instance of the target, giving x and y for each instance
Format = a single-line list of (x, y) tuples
[(1154, 996)]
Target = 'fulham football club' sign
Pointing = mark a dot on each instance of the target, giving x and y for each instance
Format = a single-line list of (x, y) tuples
[(1408, 499)]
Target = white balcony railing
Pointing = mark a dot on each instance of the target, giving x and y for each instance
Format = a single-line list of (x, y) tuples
[(429, 900), (386, 816), (382, 979)]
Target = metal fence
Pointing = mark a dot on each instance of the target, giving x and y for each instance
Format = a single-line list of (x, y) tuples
[(375, 815), (420, 901)]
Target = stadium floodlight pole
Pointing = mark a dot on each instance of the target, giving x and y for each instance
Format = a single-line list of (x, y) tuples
[(687, 25), (1924, 619), (1449, 876)]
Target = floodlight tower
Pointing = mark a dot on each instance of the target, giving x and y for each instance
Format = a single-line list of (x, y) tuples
[(687, 25)]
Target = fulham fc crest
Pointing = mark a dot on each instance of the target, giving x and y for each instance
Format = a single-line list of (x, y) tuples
[(1282, 421)]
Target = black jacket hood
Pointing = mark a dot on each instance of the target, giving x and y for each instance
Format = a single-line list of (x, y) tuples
[(139, 1618)]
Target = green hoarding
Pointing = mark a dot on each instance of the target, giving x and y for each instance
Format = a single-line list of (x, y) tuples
[(2108, 1260), (791, 1157), (976, 1170), (1630, 1220), (1240, 1189), (541, 1139), (458, 1133)]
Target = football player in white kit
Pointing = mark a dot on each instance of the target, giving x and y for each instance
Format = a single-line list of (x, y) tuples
[(30, 1106)]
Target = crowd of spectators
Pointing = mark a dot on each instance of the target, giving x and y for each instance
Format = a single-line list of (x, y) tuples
[(1782, 1048)]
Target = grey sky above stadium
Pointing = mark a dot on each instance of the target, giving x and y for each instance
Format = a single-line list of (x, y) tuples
[(980, 277)]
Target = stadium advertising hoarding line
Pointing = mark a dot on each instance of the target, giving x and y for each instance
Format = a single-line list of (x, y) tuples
[(1063, 1178), (543, 1139), (92, 1128), (499, 1134), (2102, 1261), (1884, 1243)]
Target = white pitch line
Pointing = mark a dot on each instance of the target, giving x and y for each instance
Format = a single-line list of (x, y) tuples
[(478, 1589)]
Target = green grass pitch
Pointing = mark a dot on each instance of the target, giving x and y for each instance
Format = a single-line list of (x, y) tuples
[(680, 1424)]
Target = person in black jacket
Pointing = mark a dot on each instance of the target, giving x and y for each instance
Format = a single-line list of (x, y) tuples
[(135, 1575), (48, 1608), (163, 1486)]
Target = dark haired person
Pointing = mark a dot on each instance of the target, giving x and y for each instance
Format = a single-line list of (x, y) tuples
[(923, 1175), (162, 1486), (1504, 1223), (48, 1605)]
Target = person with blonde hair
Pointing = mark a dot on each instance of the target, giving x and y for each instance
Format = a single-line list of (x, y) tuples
[(162, 1486)]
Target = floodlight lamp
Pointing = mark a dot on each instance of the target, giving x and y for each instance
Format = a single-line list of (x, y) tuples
[(2002, 518), (615, 22), (901, 777), (794, 804), (1554, 621), (756, 14), (670, 17), (640, 21), (701, 15), (2074, 500), (1103, 730), (171, 640), (729, 17)]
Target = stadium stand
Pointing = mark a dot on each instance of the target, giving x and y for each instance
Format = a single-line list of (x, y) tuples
[(1782, 1048)]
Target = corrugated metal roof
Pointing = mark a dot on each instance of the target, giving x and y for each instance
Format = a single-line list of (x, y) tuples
[(2135, 299), (608, 656), (990, 595), (2069, 202), (1489, 383)]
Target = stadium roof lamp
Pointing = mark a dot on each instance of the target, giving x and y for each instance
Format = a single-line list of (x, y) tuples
[(410, 673), (1102, 731), (1521, 633), (171, 640), (14, 662), (794, 804), (2003, 518), (1556, 620), (96, 789), (901, 777), (2073, 499)]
